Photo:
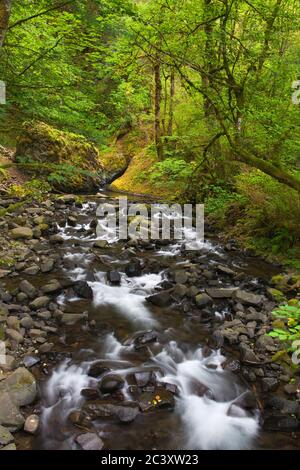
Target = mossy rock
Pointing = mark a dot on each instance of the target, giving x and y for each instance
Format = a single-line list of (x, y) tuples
[(277, 295), (67, 160), (280, 281)]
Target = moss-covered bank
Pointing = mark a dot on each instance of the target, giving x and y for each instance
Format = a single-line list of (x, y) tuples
[(68, 161)]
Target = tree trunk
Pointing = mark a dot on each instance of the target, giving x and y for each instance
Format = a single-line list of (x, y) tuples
[(171, 108), (157, 123), (5, 8), (278, 173)]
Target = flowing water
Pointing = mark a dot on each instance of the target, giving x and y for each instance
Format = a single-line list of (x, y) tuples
[(205, 415)]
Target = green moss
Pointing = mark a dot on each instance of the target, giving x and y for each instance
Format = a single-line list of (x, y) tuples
[(277, 295), (141, 178), (68, 161)]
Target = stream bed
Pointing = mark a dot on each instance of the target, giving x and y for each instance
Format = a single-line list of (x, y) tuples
[(143, 368)]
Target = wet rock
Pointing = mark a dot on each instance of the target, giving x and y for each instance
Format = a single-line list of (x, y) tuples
[(15, 336), (90, 393), (231, 331), (200, 389), (44, 315), (5, 436), (125, 412), (52, 288), (111, 383), (40, 302), (101, 244), (97, 368), (83, 290), (28, 289), (161, 299), (20, 233), (13, 322), (248, 298), (292, 389), (32, 424), (36, 333), (114, 277), (170, 388), (180, 291), (78, 417), (247, 355), (4, 273), (21, 297), (90, 441), (32, 270), (26, 322), (73, 318), (21, 387), (47, 266), (286, 407), (45, 348), (56, 239), (232, 365), (181, 277), (158, 398), (222, 293), (10, 416), (202, 300), (8, 364), (145, 338), (134, 269), (265, 343), (144, 378), (30, 361), (67, 199), (72, 221), (246, 401), (256, 316), (269, 384), (225, 270), (281, 423)]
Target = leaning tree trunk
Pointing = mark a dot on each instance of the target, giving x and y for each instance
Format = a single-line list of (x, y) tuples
[(157, 121), (5, 8)]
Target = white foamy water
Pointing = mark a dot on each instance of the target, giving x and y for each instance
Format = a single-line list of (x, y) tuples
[(128, 298), (206, 422), (206, 391)]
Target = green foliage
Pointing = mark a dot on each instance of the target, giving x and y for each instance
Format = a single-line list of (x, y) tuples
[(173, 168), (290, 313), (220, 199), (34, 189)]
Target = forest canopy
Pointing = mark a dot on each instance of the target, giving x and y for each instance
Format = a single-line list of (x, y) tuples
[(212, 85)]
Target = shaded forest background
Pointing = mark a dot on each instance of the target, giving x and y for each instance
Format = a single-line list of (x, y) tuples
[(198, 98)]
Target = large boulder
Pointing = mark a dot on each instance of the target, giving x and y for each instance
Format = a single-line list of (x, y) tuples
[(10, 416), (21, 233), (20, 386), (71, 160)]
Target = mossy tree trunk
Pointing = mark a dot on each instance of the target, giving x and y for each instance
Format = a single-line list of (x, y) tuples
[(5, 9), (157, 106)]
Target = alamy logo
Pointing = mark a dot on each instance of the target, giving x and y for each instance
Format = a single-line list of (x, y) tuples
[(155, 221), (2, 353), (2, 92), (296, 354), (296, 94)]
